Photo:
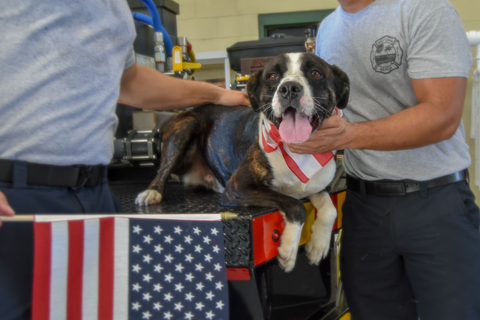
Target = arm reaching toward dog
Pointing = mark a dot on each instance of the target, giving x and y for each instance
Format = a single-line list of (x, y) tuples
[(435, 118), (149, 89), (5, 209)]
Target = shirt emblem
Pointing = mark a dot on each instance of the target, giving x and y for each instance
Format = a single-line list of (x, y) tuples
[(386, 54)]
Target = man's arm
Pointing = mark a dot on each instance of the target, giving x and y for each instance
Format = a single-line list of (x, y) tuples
[(5, 209), (435, 118), (145, 88)]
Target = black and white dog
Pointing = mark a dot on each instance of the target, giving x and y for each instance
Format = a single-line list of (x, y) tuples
[(224, 148)]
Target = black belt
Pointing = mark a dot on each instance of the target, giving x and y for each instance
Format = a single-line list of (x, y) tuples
[(382, 188), (56, 176)]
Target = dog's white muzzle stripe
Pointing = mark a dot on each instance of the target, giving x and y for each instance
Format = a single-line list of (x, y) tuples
[(304, 166)]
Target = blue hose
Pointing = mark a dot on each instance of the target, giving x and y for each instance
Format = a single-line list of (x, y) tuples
[(156, 23)]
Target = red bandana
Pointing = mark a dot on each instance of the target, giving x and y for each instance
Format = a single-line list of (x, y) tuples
[(304, 166)]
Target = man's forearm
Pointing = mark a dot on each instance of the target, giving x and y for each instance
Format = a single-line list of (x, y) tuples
[(145, 88)]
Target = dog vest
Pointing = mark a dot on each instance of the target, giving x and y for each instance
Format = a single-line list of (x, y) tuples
[(304, 166)]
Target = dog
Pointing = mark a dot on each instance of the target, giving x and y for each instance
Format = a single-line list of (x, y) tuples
[(224, 148)]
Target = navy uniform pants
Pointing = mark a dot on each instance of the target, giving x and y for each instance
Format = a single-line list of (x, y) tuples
[(16, 238), (413, 256)]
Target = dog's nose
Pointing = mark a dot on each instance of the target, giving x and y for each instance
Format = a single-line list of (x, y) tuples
[(290, 90)]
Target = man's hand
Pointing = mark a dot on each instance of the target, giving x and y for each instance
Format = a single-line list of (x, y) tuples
[(232, 98), (5, 209), (333, 134)]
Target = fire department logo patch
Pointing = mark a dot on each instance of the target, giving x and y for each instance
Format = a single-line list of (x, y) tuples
[(386, 54)]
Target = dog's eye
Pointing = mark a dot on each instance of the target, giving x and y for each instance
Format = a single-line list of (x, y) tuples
[(273, 77), (315, 74)]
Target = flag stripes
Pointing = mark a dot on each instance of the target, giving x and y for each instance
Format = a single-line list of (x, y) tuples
[(84, 278)]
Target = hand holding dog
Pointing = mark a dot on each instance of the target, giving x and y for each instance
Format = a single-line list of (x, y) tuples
[(232, 98), (333, 134), (5, 209)]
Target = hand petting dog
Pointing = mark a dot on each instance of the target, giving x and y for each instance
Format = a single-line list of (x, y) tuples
[(333, 134)]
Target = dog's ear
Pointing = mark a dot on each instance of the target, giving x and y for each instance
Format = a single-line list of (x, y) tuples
[(342, 87), (254, 88)]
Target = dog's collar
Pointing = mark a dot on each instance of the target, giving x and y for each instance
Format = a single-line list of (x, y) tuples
[(304, 166)]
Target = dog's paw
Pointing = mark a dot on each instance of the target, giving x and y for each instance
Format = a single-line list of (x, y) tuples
[(287, 251), (148, 197), (318, 245)]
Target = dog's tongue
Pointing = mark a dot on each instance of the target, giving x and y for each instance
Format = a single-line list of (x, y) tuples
[(294, 127)]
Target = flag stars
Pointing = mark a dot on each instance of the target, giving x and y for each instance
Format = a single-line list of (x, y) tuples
[(220, 305), (189, 257), (147, 258), (158, 229), (179, 248), (157, 287), (137, 229), (217, 266), (200, 286), (210, 295), (168, 258), (216, 249), (198, 248), (209, 315), (136, 268), (147, 239), (158, 248), (209, 276), (219, 285), (137, 248), (167, 315), (147, 296), (168, 239), (188, 239), (136, 287), (179, 287), (146, 315), (189, 296), (207, 240), (136, 306), (179, 267), (158, 306), (199, 267), (188, 316), (178, 230), (199, 306), (196, 230), (147, 277), (178, 306), (214, 231), (189, 277), (158, 268), (169, 278), (208, 257), (168, 297)]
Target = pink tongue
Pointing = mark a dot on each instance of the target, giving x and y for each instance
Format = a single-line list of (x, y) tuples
[(294, 127)]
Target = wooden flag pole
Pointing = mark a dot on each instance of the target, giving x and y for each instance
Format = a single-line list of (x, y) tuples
[(30, 218)]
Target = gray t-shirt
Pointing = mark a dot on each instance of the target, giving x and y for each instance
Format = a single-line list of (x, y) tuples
[(382, 48), (60, 68)]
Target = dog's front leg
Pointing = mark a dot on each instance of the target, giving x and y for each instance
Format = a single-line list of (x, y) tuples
[(319, 243), (250, 186)]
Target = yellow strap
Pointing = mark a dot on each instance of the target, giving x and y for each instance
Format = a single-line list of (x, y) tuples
[(177, 58)]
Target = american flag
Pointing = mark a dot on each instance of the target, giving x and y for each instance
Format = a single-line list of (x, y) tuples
[(116, 268), (304, 166)]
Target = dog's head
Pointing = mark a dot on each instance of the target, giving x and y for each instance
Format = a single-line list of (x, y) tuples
[(296, 92)]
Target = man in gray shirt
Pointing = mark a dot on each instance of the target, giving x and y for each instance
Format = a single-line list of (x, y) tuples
[(63, 67), (411, 245)]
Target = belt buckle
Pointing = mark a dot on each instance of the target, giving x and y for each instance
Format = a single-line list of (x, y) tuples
[(84, 175), (390, 189)]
